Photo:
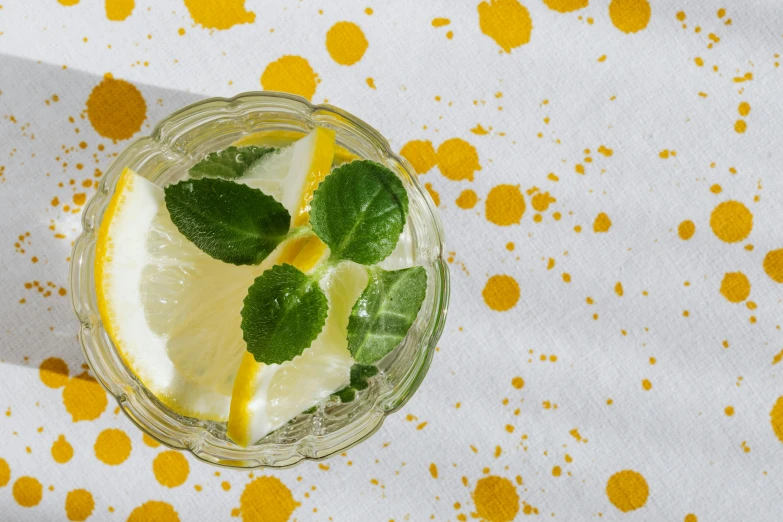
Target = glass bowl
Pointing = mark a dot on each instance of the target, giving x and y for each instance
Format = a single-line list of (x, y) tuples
[(178, 142)]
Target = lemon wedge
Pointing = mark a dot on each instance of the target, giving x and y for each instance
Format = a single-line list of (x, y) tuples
[(267, 396)]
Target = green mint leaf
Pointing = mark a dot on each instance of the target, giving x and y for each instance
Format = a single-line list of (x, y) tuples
[(229, 163), (384, 312), (359, 211), (229, 221), (360, 373), (283, 313), (345, 395), (310, 410)]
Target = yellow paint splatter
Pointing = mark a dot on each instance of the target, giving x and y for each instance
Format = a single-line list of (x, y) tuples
[(646, 384), (79, 505), (433, 194), (84, 398), (116, 109), (565, 6), (729, 411), (370, 83), (292, 74), (346, 43), (541, 201), (27, 491), (557, 471), (112, 447), (776, 418), (5, 473), (53, 372), (266, 499), (62, 451), (605, 151), (440, 22), (154, 510), (773, 265), (618, 289), (68, 3), (79, 199), (627, 490), (518, 383), (740, 126), (602, 223), (630, 16), (434, 470), (149, 441), (171, 469), (690, 517), (731, 221), (735, 287), (744, 109), (219, 15), (506, 21), (467, 199), (501, 293), (479, 130), (505, 205), (686, 229), (496, 499), (119, 10), (420, 154), (458, 159)]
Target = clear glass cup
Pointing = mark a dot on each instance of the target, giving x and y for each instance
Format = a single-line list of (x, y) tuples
[(178, 142)]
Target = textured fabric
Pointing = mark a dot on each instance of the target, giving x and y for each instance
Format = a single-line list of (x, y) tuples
[(608, 173)]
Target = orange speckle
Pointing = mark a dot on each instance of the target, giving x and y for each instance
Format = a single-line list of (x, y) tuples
[(434, 470), (53, 372), (690, 517), (735, 287), (630, 16), (292, 74), (34, 259), (773, 265), (223, 16), (541, 201), (370, 83), (556, 471), (119, 10), (84, 398), (55, 201), (420, 154), (467, 199), (510, 246), (346, 43), (440, 22), (68, 3), (27, 491), (225, 485), (565, 6), (171, 469), (618, 289), (627, 490), (421, 426), (605, 151), (602, 223), (458, 159), (518, 383), (479, 130), (112, 447), (79, 199), (266, 499), (496, 499), (181, 31), (731, 221), (116, 109), (566, 277), (505, 205), (646, 384), (79, 505), (62, 451), (368, 11), (5, 473), (729, 411), (433, 194), (154, 510), (501, 293), (699, 61), (149, 441), (686, 229), (740, 126), (744, 109), (579, 168), (507, 22)]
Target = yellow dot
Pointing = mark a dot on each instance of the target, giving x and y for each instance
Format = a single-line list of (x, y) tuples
[(716, 189), (434, 470), (62, 451), (627, 490), (116, 109), (292, 74), (618, 289), (181, 31), (507, 22), (223, 16), (566, 277), (740, 126), (84, 398), (505, 205), (776, 418), (154, 510), (119, 10), (729, 411), (346, 43), (541, 201), (501, 293), (68, 3), (467, 199), (646, 384), (602, 223), (556, 471), (735, 287), (743, 109), (27, 491), (79, 504), (458, 159), (112, 447), (681, 16), (565, 6), (225, 485), (773, 265), (690, 517), (731, 221), (53, 372), (171, 468), (149, 441), (630, 16), (518, 383), (686, 229), (496, 499), (5, 473), (433, 194), (420, 154), (266, 499)]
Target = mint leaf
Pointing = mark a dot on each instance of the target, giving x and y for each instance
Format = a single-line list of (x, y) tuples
[(345, 395), (359, 375), (359, 211), (229, 221), (283, 313), (384, 312), (229, 163)]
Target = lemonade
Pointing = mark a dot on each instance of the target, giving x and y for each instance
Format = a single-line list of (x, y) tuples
[(272, 277)]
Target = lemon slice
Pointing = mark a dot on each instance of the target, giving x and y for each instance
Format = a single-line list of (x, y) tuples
[(267, 396)]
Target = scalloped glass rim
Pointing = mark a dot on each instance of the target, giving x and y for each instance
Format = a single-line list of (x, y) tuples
[(177, 139)]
